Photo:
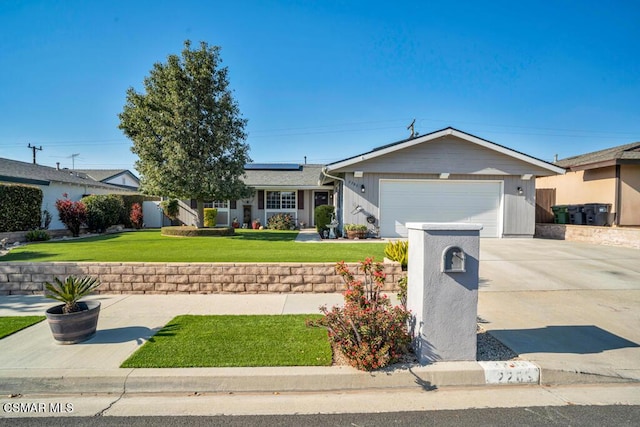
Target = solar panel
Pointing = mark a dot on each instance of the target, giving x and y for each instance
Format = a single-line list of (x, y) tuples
[(273, 166)]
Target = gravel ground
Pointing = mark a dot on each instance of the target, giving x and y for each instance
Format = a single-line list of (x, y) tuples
[(488, 349)]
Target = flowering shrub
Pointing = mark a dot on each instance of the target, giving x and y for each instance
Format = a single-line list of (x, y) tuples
[(281, 221), (368, 330), (71, 214), (136, 215)]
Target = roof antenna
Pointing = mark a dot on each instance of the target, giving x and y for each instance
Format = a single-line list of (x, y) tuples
[(73, 161), (413, 130)]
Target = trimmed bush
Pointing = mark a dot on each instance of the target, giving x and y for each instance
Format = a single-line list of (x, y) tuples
[(103, 211), (281, 221), (322, 216), (19, 208), (210, 217), (188, 231)]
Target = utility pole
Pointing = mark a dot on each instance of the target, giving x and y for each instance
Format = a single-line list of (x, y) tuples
[(34, 148)]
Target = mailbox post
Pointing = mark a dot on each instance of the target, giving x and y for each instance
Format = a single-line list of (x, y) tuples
[(442, 291)]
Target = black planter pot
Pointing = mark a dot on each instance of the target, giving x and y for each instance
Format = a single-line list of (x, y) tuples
[(76, 327)]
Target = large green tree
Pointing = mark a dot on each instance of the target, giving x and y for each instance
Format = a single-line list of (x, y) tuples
[(187, 130)]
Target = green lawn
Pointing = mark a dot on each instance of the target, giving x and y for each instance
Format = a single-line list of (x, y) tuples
[(227, 341), (12, 324), (151, 246)]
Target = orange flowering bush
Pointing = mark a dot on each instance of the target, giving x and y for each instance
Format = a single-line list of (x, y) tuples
[(369, 331)]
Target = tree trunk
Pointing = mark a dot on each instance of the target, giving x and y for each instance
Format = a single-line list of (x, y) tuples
[(199, 213)]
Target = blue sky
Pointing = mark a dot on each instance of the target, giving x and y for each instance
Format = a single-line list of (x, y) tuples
[(328, 79)]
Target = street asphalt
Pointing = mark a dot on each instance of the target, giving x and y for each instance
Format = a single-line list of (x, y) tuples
[(570, 310)]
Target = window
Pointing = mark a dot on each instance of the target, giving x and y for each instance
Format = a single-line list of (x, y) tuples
[(217, 204), (281, 200)]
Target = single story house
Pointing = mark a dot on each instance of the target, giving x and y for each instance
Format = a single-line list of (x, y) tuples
[(443, 176), (54, 182), (610, 176), (288, 188)]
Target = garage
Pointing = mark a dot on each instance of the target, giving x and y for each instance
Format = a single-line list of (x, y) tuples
[(403, 201)]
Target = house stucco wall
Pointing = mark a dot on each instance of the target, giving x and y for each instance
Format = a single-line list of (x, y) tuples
[(629, 195), (586, 186)]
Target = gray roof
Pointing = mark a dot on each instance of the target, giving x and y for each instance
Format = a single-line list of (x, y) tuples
[(28, 173), (628, 152), (305, 176), (105, 174)]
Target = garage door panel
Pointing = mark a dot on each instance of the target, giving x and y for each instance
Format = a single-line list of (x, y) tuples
[(437, 201)]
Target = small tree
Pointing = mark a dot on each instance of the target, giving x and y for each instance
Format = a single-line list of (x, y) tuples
[(136, 216), (187, 130), (71, 214)]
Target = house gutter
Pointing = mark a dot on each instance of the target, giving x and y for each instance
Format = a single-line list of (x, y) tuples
[(339, 204), (324, 172)]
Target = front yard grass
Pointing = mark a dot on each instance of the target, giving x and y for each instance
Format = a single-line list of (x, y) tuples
[(235, 341), (12, 324), (151, 246)]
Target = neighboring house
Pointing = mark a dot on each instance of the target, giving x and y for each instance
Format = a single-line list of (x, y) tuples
[(610, 176), (444, 176), (119, 177), (54, 183), (279, 188)]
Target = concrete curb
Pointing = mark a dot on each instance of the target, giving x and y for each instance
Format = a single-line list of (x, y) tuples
[(271, 379)]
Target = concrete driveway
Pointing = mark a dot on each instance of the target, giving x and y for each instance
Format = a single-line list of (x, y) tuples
[(572, 308)]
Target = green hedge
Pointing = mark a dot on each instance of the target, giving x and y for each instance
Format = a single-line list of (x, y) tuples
[(322, 216), (19, 208), (103, 211), (188, 231)]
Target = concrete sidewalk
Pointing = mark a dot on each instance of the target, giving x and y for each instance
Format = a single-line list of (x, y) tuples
[(31, 361)]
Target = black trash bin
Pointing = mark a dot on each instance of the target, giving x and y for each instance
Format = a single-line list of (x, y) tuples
[(576, 214), (598, 214)]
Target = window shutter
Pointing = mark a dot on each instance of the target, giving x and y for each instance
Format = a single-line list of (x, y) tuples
[(194, 203), (300, 199), (260, 199), (233, 204)]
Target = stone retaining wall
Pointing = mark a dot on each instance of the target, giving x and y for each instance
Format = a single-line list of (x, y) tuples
[(198, 278), (613, 236)]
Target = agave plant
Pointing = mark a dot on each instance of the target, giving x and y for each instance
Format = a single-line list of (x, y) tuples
[(71, 290)]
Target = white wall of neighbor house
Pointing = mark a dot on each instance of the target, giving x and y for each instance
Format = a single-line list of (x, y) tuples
[(124, 179)]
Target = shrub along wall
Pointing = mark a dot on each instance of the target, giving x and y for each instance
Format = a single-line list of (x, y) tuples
[(19, 207), (199, 278)]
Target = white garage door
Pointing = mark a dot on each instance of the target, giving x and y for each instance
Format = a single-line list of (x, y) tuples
[(403, 201)]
